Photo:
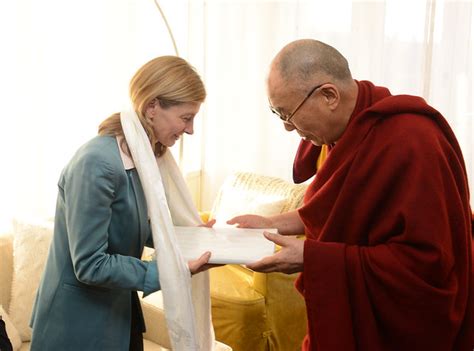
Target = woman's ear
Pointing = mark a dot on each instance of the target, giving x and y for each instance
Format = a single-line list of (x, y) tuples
[(150, 111)]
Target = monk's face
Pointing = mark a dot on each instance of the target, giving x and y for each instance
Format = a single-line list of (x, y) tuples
[(316, 119)]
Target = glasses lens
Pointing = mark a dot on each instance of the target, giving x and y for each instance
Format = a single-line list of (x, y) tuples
[(275, 111)]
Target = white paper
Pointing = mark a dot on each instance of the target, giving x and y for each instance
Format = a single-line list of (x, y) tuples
[(226, 244)]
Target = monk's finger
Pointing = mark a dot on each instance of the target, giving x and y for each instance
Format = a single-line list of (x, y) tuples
[(235, 220), (277, 238), (265, 265)]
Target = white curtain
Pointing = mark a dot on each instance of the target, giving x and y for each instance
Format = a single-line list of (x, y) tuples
[(65, 66), (413, 47)]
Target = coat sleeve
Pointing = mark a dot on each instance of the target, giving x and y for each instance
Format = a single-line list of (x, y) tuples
[(89, 192)]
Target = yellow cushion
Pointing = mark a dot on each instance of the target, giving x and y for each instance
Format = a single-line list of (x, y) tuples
[(286, 311), (205, 216), (233, 283), (249, 307), (237, 309)]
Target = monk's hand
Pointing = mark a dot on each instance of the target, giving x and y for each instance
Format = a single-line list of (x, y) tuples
[(288, 260), (251, 221), (208, 224), (201, 264)]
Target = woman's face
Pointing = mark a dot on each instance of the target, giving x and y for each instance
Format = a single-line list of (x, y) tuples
[(170, 123)]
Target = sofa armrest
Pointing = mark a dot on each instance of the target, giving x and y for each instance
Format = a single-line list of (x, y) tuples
[(153, 313), (6, 269), (155, 321)]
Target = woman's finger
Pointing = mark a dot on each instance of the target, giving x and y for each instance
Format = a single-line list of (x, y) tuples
[(195, 265)]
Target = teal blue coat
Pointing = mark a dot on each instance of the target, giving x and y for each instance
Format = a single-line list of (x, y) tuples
[(101, 227)]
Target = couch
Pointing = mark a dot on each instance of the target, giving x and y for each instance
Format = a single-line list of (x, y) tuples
[(18, 284), (23, 254)]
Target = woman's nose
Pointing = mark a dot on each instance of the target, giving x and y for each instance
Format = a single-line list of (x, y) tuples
[(189, 129)]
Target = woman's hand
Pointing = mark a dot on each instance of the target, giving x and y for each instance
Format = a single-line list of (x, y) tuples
[(251, 221), (201, 264)]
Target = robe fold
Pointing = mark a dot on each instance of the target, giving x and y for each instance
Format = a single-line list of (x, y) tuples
[(305, 163), (388, 255)]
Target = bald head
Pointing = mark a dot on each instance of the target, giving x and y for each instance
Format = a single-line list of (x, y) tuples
[(304, 60), (296, 73)]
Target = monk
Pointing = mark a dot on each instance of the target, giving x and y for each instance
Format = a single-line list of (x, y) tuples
[(387, 264)]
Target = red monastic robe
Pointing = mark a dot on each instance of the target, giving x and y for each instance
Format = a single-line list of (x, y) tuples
[(388, 255), (306, 160)]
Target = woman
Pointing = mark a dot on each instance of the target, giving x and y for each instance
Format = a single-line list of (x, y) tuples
[(87, 297)]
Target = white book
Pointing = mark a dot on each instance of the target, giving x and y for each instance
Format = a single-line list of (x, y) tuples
[(228, 245)]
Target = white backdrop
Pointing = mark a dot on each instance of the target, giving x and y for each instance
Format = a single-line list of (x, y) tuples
[(412, 47), (65, 66)]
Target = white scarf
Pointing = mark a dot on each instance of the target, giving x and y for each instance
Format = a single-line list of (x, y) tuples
[(186, 300)]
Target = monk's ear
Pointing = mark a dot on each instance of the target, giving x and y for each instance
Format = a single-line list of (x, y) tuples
[(331, 95)]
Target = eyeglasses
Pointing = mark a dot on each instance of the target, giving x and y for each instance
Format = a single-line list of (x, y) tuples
[(287, 118)]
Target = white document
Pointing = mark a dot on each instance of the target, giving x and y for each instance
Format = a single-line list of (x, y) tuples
[(226, 244)]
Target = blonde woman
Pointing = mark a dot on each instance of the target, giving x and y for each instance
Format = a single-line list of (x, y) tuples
[(87, 299)]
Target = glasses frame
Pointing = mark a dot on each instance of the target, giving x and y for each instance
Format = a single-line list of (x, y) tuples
[(287, 118)]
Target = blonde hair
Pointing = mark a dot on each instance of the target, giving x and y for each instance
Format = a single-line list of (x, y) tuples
[(171, 80)]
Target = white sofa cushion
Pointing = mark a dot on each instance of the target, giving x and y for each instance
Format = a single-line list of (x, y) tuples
[(31, 240), (243, 194), (250, 193), (12, 332), (6, 269)]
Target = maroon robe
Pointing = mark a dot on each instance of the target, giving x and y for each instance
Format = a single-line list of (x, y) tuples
[(388, 256), (306, 160)]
